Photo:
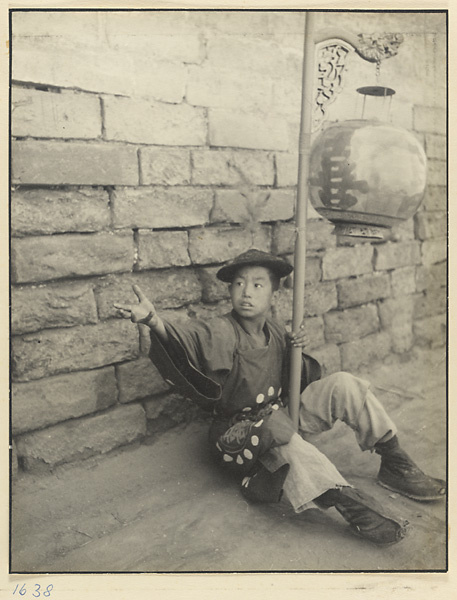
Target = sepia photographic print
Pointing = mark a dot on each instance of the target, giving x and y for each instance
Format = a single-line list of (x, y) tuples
[(228, 271)]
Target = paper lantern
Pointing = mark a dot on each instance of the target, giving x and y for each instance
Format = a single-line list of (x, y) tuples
[(366, 176)]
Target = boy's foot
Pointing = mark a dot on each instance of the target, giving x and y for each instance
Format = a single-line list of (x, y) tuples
[(364, 515), (399, 473), (264, 486)]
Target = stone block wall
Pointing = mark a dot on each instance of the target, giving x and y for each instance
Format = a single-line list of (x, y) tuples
[(149, 148)]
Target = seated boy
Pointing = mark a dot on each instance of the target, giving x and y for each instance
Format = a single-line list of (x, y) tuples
[(237, 366)]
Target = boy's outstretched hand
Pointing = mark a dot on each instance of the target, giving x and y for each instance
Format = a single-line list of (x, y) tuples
[(144, 312)]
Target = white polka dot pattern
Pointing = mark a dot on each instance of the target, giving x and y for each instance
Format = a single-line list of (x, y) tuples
[(260, 398), (271, 390), (255, 440)]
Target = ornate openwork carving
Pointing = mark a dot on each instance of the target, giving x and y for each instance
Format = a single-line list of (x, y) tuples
[(331, 57), (330, 67), (376, 48)]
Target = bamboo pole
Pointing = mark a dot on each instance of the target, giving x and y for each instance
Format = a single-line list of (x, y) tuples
[(301, 212)]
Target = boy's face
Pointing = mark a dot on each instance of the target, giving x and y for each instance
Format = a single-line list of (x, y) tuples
[(251, 292)]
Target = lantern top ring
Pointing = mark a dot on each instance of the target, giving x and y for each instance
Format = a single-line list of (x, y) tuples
[(375, 90)]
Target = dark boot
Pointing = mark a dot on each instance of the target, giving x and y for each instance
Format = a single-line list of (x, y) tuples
[(264, 486), (364, 515), (399, 473)]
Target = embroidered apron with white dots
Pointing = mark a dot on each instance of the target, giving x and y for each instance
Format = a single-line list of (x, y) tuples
[(250, 417)]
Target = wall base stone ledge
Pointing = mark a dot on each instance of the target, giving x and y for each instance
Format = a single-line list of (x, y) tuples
[(45, 402), (79, 439)]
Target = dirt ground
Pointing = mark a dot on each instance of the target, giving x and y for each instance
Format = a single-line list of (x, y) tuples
[(165, 507)]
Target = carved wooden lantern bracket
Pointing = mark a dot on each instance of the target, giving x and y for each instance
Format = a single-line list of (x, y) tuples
[(332, 49)]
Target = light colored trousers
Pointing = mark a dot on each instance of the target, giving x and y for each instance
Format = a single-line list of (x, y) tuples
[(337, 397)]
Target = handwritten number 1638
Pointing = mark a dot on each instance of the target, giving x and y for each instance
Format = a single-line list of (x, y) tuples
[(22, 591)]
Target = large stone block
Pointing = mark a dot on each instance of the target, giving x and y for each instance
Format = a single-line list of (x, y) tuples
[(229, 167), (434, 251), (147, 122), (435, 197), (228, 87), (319, 235), (145, 35), (320, 298), (284, 235), (345, 262), (351, 324), (45, 211), (165, 166), (402, 337), (286, 169), (55, 351), (363, 352), (258, 25), (251, 54), (50, 115), (45, 28), (403, 281), (430, 119), (98, 69), (158, 249), (213, 289), (402, 232), (352, 292), (287, 96), (247, 130), (219, 244), (431, 302), (139, 379), (436, 172), (206, 312), (158, 207), (397, 318), (36, 162), (434, 275), (329, 358), (431, 331), (50, 306), (282, 313), (81, 438), (431, 225), (253, 206), (38, 404), (394, 255), (395, 311), (168, 288), (37, 259), (313, 270), (436, 146)]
